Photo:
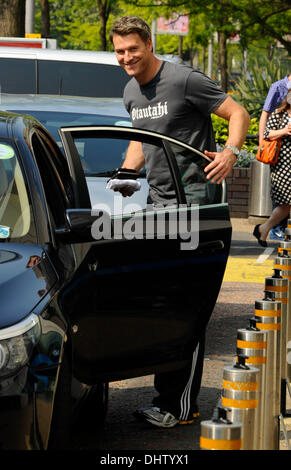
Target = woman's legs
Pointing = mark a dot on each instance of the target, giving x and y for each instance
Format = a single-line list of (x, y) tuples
[(278, 214)]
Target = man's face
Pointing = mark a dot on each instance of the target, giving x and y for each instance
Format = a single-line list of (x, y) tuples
[(133, 55)]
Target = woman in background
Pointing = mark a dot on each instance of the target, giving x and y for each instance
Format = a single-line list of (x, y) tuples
[(278, 126)]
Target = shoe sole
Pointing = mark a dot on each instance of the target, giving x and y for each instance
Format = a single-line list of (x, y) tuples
[(140, 417), (191, 421), (161, 425)]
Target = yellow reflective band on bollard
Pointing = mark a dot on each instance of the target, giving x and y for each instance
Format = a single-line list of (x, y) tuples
[(251, 344), (267, 313), (283, 267), (220, 444), (280, 250), (241, 386), (256, 360), (277, 288), (242, 404), (269, 326), (282, 300)]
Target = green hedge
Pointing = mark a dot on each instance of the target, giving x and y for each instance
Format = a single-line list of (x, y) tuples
[(249, 148)]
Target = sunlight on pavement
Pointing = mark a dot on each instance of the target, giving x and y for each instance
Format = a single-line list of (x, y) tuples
[(248, 270)]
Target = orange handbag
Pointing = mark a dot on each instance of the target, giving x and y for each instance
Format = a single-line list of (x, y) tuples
[(268, 151)]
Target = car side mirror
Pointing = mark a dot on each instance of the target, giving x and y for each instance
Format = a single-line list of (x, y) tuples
[(82, 226)]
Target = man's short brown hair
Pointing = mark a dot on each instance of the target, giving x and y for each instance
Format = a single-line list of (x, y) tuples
[(129, 25)]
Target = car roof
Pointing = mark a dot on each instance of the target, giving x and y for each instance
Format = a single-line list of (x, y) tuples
[(98, 57), (57, 103), (71, 55)]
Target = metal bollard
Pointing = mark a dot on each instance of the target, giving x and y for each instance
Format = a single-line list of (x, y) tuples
[(279, 286), (268, 311), (240, 396), (283, 262), (252, 343), (220, 433), (286, 243)]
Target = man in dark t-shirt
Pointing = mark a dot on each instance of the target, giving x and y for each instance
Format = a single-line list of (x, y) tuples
[(178, 102), (174, 100)]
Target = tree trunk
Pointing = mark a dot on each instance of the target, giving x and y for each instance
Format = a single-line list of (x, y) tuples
[(180, 51), (104, 8), (12, 18), (45, 18), (204, 59), (222, 58)]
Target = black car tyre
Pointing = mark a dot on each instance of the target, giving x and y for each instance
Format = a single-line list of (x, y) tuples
[(60, 432)]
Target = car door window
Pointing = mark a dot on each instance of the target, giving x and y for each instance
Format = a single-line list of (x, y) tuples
[(101, 150), (100, 157), (16, 215), (191, 165)]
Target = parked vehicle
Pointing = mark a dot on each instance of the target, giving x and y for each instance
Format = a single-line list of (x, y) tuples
[(61, 72), (84, 302), (57, 111)]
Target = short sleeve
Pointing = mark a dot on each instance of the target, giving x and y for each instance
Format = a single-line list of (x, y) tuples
[(203, 93), (273, 99)]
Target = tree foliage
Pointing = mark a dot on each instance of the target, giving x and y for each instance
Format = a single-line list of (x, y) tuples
[(252, 88), (253, 19), (262, 25)]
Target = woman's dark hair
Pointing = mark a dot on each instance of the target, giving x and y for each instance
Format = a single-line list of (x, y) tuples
[(286, 103)]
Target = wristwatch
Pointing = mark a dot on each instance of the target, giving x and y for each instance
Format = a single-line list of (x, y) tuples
[(235, 150)]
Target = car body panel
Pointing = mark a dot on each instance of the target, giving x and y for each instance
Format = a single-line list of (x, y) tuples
[(116, 307), (149, 288), (23, 268)]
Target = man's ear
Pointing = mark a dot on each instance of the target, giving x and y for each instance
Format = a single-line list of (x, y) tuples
[(150, 44)]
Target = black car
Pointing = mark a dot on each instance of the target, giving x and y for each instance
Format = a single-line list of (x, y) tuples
[(89, 296)]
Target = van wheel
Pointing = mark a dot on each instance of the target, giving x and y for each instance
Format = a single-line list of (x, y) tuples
[(60, 432)]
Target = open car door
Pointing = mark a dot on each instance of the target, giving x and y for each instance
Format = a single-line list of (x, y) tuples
[(150, 280)]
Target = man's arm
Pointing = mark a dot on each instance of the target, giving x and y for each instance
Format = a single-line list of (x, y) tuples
[(134, 158), (262, 124), (239, 121)]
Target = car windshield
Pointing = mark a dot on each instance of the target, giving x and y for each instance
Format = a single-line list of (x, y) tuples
[(52, 121), (15, 208)]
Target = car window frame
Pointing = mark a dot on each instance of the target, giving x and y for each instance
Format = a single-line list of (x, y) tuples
[(55, 221), (81, 193)]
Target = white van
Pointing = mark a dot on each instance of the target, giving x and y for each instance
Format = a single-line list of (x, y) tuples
[(61, 72)]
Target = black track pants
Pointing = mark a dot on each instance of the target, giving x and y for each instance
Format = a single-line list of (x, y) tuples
[(178, 390)]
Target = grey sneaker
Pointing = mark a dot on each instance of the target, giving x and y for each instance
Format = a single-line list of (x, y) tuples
[(157, 417)]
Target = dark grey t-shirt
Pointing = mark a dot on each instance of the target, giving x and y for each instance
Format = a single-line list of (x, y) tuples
[(177, 102)]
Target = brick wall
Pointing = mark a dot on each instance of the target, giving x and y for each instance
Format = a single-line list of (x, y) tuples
[(238, 190)]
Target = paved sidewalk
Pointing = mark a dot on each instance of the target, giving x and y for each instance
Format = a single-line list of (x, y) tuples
[(234, 307)]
